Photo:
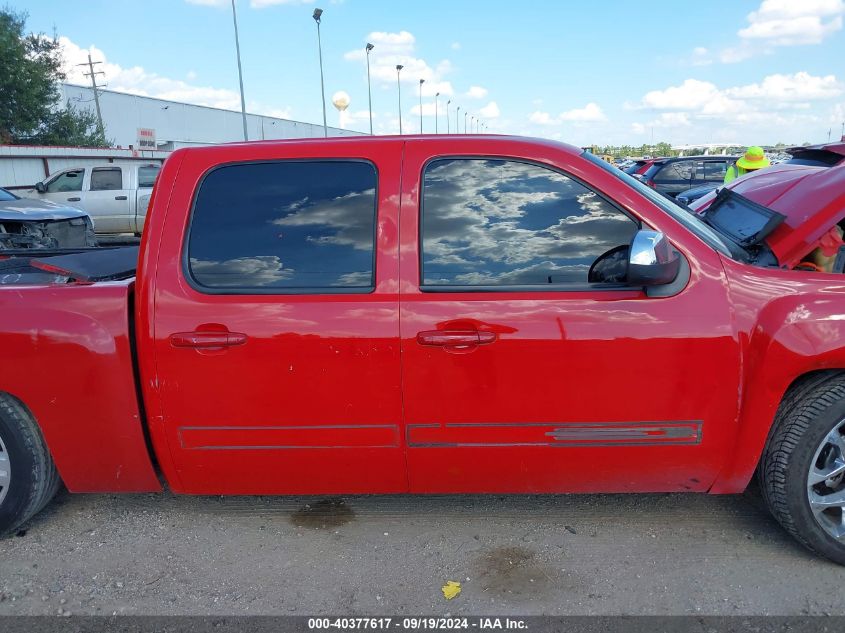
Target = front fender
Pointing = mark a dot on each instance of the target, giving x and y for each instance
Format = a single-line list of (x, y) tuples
[(795, 327)]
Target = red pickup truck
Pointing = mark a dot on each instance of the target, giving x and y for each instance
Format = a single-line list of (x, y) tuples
[(432, 314)]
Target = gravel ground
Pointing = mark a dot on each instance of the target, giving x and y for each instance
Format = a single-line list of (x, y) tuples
[(589, 554)]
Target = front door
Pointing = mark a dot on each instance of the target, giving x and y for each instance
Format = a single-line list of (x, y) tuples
[(65, 188), (524, 369), (277, 350)]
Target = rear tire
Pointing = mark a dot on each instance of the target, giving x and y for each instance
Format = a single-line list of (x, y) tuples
[(28, 476), (802, 472)]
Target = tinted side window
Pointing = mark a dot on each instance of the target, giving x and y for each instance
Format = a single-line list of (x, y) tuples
[(715, 170), (147, 175), (106, 179), (506, 223), (68, 181), (681, 170), (285, 226)]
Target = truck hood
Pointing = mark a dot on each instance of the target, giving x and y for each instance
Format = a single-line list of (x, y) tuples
[(37, 210), (812, 199)]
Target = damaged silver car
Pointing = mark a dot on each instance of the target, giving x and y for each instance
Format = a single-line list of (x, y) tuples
[(39, 224)]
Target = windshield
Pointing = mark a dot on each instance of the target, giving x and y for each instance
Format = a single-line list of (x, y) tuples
[(688, 219), (6, 196)]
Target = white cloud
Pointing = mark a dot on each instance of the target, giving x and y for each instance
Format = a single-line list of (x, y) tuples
[(456, 46), (400, 48), (255, 4), (476, 92), (690, 95), (137, 80), (779, 104), (794, 22), (262, 4), (490, 111), (542, 118), (778, 23), (798, 87), (700, 57), (590, 112)]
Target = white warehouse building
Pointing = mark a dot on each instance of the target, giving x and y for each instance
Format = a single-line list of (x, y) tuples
[(174, 125)]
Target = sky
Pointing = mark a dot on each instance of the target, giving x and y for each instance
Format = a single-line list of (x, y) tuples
[(595, 72)]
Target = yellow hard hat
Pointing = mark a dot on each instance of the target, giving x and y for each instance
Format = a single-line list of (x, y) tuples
[(755, 158)]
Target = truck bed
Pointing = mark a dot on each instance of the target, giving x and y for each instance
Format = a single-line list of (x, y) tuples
[(67, 354), (61, 266)]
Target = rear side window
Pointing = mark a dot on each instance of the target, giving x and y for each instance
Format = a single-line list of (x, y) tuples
[(715, 170), (147, 175), (488, 222), (681, 170), (106, 179), (286, 226)]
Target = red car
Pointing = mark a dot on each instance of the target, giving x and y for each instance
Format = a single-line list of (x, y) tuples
[(433, 314), (811, 199)]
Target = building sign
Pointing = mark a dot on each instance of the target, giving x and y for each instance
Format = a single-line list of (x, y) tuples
[(146, 138)]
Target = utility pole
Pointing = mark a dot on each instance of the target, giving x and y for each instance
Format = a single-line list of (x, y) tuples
[(240, 70), (317, 19), (93, 75)]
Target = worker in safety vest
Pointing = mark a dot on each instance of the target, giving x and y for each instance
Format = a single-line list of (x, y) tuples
[(754, 158)]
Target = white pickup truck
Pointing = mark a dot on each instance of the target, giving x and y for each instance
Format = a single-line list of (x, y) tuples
[(116, 196)]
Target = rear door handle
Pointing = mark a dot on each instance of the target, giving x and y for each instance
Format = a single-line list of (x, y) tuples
[(74, 199), (121, 198), (207, 340), (455, 338)]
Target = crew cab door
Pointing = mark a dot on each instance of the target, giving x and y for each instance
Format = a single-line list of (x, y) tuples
[(520, 374), (106, 199), (276, 322)]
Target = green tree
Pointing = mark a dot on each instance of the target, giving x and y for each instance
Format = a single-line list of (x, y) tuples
[(30, 72)]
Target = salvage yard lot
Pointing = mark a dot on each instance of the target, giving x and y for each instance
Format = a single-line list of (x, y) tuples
[(584, 554)]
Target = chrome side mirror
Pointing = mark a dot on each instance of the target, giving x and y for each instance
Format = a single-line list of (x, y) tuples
[(651, 260), (40, 187)]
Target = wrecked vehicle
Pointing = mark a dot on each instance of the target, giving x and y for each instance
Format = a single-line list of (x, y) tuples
[(40, 224), (434, 314)]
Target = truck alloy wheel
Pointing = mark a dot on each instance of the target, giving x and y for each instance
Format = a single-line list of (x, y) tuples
[(5, 471), (826, 482), (802, 472)]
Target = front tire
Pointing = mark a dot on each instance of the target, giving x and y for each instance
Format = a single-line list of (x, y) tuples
[(802, 472), (28, 476)]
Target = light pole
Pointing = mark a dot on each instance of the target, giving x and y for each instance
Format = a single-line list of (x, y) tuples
[(240, 73), (466, 114), (458, 121), (472, 124), (447, 115), (369, 89), (399, 67), (422, 81), (436, 108), (316, 16)]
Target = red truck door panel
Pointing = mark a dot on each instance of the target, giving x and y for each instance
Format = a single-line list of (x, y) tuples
[(521, 376), (276, 323)]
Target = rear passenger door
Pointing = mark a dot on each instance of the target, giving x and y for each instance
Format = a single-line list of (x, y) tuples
[(276, 322), (107, 200)]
